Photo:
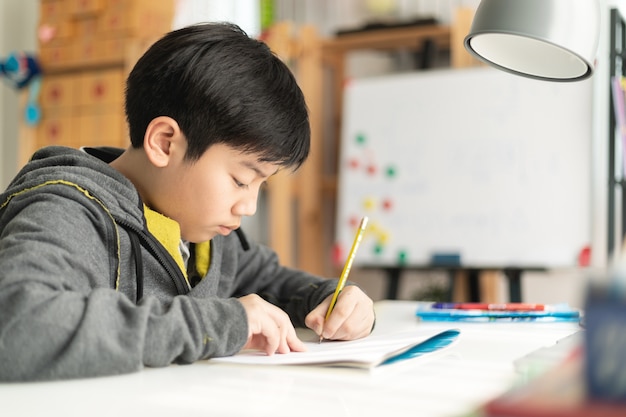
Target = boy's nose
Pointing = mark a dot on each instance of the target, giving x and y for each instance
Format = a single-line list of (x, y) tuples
[(246, 206)]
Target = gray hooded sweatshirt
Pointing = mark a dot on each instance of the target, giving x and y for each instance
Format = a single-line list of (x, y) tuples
[(86, 290)]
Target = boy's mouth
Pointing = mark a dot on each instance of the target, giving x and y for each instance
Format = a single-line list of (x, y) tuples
[(225, 230)]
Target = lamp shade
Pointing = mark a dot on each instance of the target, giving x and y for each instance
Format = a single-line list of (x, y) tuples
[(552, 40)]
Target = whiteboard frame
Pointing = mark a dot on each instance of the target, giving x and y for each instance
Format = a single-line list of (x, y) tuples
[(475, 162)]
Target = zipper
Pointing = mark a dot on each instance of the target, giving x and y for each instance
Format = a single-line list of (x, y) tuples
[(164, 258)]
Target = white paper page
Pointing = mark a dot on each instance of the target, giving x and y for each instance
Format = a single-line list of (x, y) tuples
[(366, 352)]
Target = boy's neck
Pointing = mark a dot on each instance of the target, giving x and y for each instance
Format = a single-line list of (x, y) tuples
[(134, 165)]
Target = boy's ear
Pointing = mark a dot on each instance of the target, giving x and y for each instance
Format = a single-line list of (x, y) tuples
[(163, 140)]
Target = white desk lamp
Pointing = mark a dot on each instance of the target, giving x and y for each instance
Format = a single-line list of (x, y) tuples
[(552, 40)]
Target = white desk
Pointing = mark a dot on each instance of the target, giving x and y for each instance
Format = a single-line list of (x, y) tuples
[(450, 383)]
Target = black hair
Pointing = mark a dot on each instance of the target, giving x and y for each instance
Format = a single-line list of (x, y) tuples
[(221, 86)]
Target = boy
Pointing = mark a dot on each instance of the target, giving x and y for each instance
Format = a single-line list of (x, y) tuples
[(113, 260)]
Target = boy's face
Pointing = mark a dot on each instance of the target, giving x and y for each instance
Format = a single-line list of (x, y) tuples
[(210, 196)]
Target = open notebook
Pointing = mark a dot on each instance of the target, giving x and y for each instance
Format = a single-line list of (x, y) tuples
[(366, 353)]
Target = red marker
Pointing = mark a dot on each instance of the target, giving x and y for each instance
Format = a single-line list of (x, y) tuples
[(491, 307)]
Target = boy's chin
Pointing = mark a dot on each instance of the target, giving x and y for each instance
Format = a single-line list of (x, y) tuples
[(205, 237)]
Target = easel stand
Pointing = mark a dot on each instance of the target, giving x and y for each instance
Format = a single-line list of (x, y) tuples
[(465, 284)]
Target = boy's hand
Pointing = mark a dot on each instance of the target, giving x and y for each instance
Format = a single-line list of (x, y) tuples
[(269, 327), (351, 318)]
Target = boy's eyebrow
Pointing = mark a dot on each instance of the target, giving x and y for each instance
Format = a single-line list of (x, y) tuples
[(251, 165)]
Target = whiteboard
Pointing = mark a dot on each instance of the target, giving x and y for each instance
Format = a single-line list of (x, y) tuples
[(475, 163)]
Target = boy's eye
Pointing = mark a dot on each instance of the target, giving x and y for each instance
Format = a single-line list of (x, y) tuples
[(239, 183)]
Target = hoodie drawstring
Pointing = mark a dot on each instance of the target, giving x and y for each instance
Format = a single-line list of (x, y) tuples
[(136, 248)]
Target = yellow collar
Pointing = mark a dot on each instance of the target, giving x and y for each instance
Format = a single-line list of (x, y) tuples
[(167, 231)]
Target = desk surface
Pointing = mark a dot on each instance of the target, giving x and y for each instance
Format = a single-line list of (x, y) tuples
[(450, 383)]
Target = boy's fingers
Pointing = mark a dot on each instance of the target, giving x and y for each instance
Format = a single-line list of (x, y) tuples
[(341, 314), (315, 319), (272, 339), (283, 345), (270, 327), (265, 337), (351, 318), (294, 342)]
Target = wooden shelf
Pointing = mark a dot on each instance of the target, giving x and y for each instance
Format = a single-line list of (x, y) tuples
[(389, 39)]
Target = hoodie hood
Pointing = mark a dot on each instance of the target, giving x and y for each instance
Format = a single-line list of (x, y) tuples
[(88, 169)]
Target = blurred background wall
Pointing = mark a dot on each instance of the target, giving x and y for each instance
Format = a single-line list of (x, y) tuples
[(18, 23)]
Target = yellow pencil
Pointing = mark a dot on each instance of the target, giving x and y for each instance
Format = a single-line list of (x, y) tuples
[(346, 268)]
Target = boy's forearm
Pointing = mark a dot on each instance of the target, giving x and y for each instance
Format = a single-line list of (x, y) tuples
[(48, 335)]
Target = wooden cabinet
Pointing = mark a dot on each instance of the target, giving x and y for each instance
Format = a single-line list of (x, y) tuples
[(86, 49)]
